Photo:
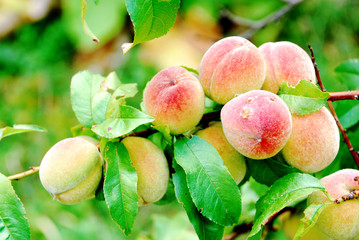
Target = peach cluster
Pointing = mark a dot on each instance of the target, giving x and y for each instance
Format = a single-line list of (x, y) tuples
[(255, 122)]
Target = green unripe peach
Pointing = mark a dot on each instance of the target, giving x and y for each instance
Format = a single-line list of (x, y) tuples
[(72, 169), (233, 160), (289, 223), (338, 221), (151, 167), (175, 98), (231, 66), (314, 141)]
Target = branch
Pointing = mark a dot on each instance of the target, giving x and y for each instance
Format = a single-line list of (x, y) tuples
[(348, 95), (18, 176), (259, 24), (331, 108)]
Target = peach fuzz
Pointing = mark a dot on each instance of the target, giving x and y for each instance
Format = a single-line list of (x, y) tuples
[(286, 62), (231, 66), (338, 221), (72, 169), (314, 141), (175, 98), (151, 167), (257, 123), (233, 160)]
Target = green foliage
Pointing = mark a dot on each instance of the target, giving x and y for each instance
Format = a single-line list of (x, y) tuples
[(349, 67), (19, 128), (151, 19), (205, 228), (284, 191), (268, 171), (13, 222), (104, 20), (35, 70), (129, 118), (84, 86), (350, 118), (212, 188), (98, 104), (120, 186), (304, 98)]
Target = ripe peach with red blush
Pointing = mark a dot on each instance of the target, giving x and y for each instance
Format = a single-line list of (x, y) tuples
[(338, 221), (257, 123), (286, 62), (231, 66), (175, 98)]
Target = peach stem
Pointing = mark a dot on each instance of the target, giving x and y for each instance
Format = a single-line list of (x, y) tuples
[(331, 108), (18, 176)]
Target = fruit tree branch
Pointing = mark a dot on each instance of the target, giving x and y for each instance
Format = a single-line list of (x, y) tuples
[(259, 24), (348, 95), (18, 176), (331, 108)]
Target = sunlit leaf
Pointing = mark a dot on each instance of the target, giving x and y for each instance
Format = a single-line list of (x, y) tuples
[(19, 128), (212, 188), (304, 98), (205, 229), (129, 119), (13, 222), (120, 186), (284, 191), (151, 19)]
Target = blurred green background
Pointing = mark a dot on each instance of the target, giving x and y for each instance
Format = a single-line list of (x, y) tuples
[(42, 46)]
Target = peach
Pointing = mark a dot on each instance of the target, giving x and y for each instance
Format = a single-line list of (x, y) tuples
[(72, 169), (290, 222), (151, 167), (286, 62), (314, 141), (233, 160), (231, 66), (338, 221), (175, 98), (257, 123)]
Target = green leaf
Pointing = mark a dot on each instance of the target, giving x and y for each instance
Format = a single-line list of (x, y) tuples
[(129, 119), (350, 67), (19, 128), (151, 19), (311, 215), (165, 131), (84, 86), (205, 229), (85, 27), (212, 188), (350, 118), (118, 98), (304, 98), (13, 222), (99, 106), (120, 187), (268, 171), (192, 70), (106, 104), (291, 187)]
